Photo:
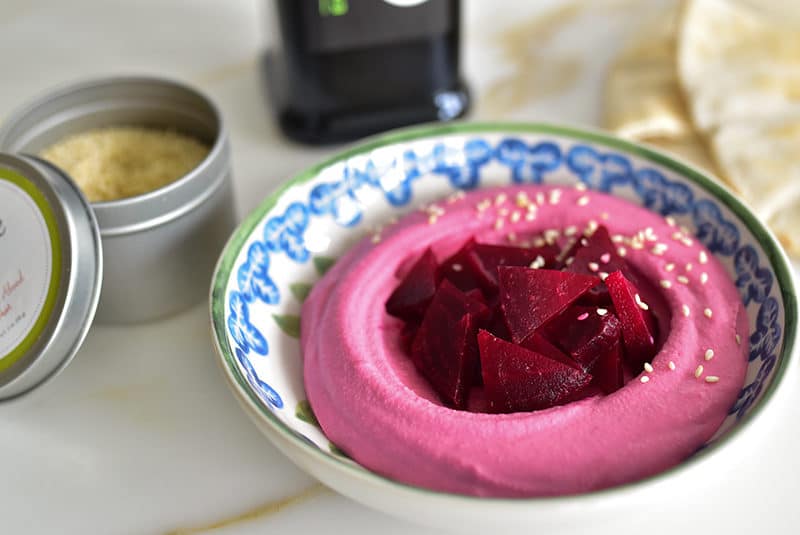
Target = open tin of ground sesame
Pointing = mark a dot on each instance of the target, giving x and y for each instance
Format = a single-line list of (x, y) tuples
[(152, 252), (159, 246)]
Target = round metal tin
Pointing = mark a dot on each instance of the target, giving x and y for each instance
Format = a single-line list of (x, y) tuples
[(50, 272), (160, 247)]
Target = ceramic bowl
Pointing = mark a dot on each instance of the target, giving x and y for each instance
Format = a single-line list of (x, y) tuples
[(288, 242)]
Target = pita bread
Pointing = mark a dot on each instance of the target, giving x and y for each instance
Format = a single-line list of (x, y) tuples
[(761, 160), (739, 68), (690, 148), (643, 100), (735, 63)]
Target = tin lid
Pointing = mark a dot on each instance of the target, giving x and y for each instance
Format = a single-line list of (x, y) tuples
[(50, 272)]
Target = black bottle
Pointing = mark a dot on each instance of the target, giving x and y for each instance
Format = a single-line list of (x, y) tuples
[(343, 69)]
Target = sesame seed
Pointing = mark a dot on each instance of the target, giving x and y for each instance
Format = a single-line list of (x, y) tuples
[(593, 266), (555, 196), (483, 205), (687, 242), (584, 242), (703, 257), (540, 198), (537, 262), (456, 196), (500, 199), (707, 312), (709, 354), (457, 267), (698, 371), (677, 235), (522, 200), (603, 275), (570, 230), (512, 237), (569, 260), (659, 249), (515, 216), (644, 378), (583, 316), (618, 238), (689, 266), (641, 303), (622, 251), (738, 339), (665, 283), (670, 221), (550, 237), (432, 219), (602, 311), (637, 244), (539, 242), (712, 379), (580, 186), (683, 279), (671, 365), (530, 216), (703, 277), (605, 258), (648, 367), (591, 226), (669, 267), (583, 201), (498, 224), (503, 212)]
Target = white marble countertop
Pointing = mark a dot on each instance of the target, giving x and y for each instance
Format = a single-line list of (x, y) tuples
[(140, 433)]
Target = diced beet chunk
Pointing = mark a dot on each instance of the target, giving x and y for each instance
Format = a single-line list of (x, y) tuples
[(493, 256), (516, 379), (463, 269), (638, 334), (531, 297), (445, 349), (608, 369), (412, 296), (595, 254), (539, 344), (585, 333)]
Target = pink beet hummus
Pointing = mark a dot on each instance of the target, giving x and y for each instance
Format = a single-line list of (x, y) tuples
[(372, 403)]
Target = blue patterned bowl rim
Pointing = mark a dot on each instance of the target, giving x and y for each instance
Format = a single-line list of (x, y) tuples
[(775, 256)]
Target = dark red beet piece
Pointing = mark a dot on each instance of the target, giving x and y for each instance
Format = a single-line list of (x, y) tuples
[(445, 349), (539, 344), (596, 251), (463, 268), (531, 297), (583, 334), (516, 379), (493, 256), (608, 370), (412, 296), (638, 334)]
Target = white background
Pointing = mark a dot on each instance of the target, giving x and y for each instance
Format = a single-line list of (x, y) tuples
[(141, 435)]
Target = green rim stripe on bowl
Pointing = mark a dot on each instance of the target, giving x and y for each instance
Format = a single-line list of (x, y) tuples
[(775, 254)]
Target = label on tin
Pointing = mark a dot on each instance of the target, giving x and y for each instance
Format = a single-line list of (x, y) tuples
[(30, 265)]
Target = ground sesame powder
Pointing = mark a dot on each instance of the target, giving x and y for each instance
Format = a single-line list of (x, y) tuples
[(125, 161)]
